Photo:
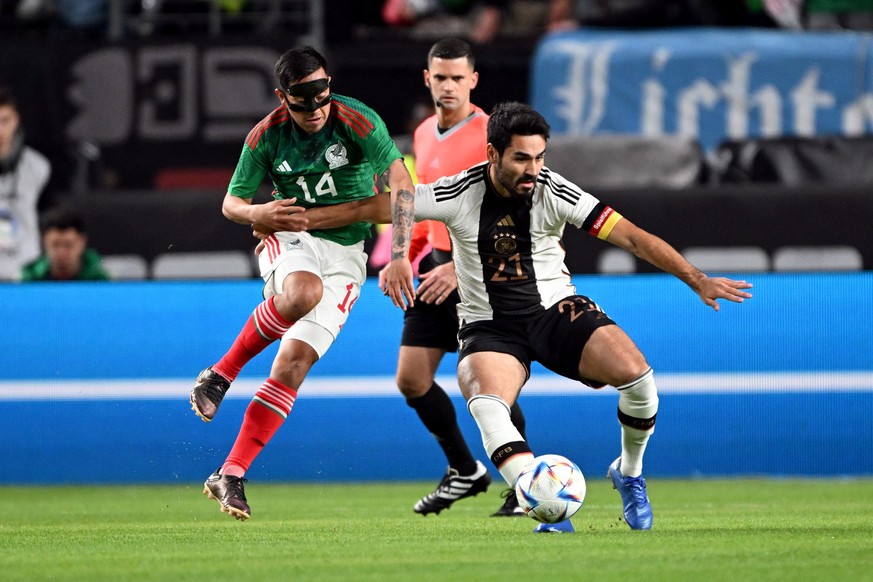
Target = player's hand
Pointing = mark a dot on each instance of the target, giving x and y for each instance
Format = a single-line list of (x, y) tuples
[(711, 288), (383, 272), (437, 284), (282, 215), (398, 283), (261, 231)]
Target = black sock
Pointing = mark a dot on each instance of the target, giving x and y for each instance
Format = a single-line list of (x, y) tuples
[(437, 413), (517, 418)]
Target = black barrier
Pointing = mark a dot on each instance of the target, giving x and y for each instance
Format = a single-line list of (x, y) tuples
[(797, 162), (766, 217)]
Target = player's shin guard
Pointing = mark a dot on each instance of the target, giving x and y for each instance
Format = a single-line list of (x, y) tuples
[(504, 444), (637, 409), (267, 411)]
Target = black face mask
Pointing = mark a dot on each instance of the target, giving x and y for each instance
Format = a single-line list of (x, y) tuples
[(308, 91)]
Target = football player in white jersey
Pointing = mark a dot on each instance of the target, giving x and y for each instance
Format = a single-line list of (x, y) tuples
[(518, 302)]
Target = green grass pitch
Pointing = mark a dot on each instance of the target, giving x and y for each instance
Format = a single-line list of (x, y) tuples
[(748, 530)]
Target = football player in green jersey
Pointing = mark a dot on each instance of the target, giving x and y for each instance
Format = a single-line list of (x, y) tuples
[(318, 149)]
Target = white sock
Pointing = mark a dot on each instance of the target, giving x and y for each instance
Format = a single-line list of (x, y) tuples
[(637, 404), (633, 447), (498, 433)]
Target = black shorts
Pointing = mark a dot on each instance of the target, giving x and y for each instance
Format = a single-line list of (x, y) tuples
[(427, 325), (554, 338)]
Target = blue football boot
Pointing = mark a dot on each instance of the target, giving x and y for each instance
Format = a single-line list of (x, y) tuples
[(637, 509), (560, 527)]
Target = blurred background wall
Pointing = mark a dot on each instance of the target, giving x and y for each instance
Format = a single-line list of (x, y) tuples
[(777, 386), (758, 139)]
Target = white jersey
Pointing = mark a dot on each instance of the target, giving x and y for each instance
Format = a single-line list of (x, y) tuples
[(20, 189), (507, 251)]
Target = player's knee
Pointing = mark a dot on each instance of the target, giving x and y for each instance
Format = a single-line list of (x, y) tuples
[(412, 386), (629, 368), (291, 375), (299, 297)]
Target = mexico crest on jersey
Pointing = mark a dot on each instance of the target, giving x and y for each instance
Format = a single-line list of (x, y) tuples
[(336, 156)]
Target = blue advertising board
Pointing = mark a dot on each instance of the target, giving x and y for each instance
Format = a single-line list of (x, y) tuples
[(94, 382), (706, 83)]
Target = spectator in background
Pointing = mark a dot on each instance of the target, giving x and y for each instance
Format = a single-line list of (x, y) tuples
[(24, 173), (83, 16), (481, 21), (821, 14), (66, 254), (570, 14)]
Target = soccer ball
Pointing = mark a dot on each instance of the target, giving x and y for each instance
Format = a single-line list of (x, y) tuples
[(550, 489)]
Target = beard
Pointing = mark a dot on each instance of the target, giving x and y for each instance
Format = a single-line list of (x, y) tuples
[(513, 186)]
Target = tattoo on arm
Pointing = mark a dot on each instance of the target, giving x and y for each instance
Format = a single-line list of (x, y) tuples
[(402, 221)]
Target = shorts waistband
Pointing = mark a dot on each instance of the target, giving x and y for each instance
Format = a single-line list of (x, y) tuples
[(441, 257)]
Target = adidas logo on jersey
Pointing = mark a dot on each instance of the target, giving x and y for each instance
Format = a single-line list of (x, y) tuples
[(506, 221), (284, 167)]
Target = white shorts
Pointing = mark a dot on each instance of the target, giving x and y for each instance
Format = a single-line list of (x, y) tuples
[(343, 270)]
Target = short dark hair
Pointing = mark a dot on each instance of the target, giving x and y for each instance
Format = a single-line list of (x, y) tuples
[(513, 118), (7, 99), (451, 48), (62, 218), (298, 63)]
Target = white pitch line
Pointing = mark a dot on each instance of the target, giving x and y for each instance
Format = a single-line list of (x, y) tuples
[(363, 387)]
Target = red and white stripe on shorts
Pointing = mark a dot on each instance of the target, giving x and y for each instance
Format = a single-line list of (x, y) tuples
[(273, 247)]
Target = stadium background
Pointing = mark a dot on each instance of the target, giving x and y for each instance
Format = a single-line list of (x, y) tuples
[(94, 378)]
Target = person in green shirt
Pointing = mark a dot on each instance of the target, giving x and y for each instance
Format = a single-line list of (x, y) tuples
[(318, 149), (66, 255)]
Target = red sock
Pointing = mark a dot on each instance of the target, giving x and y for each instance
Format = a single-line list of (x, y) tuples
[(266, 413), (263, 327)]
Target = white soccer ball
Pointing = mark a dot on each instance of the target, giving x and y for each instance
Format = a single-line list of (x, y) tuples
[(551, 488)]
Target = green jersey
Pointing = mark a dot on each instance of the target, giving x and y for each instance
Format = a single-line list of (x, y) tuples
[(338, 164), (91, 269)]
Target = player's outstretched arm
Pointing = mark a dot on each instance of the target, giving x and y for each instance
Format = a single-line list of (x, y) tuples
[(375, 210), (660, 254)]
